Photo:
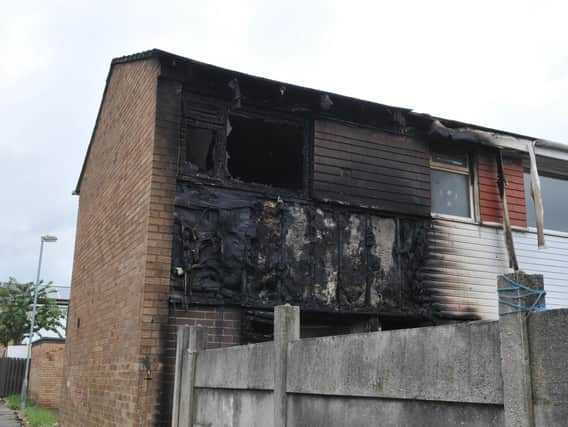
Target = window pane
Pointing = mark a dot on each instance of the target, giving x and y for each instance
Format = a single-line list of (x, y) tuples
[(554, 199), (450, 193)]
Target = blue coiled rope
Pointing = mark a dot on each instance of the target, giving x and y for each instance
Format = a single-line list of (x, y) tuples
[(509, 300)]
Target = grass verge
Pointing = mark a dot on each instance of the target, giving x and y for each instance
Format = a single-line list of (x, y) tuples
[(35, 416)]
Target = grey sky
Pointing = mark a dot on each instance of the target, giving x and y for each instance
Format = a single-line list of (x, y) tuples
[(500, 64)]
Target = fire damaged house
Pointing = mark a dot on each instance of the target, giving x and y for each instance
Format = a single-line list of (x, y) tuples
[(209, 196)]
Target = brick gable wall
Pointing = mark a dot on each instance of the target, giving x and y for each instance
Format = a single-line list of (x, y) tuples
[(102, 355)]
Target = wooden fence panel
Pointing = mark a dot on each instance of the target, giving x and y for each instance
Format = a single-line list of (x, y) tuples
[(11, 375)]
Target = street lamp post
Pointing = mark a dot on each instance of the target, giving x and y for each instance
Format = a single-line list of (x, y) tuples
[(23, 395)]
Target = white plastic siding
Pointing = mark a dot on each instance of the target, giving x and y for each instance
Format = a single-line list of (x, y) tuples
[(461, 269), (552, 262)]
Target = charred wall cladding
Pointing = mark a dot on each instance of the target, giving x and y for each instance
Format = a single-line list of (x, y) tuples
[(238, 247), (371, 167)]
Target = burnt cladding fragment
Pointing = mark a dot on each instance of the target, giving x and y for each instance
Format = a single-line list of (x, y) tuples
[(352, 247), (413, 251), (265, 151), (212, 243)]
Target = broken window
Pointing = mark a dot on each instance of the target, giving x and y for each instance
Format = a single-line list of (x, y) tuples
[(554, 192), (265, 151), (200, 143), (451, 190)]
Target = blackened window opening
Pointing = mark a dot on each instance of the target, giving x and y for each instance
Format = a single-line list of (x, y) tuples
[(266, 152), (200, 143)]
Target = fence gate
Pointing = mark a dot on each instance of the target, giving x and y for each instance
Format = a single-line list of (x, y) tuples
[(11, 375)]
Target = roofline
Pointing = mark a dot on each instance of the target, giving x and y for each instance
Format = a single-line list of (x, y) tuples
[(500, 138), (53, 340)]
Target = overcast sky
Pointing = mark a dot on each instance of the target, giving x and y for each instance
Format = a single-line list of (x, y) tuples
[(502, 64)]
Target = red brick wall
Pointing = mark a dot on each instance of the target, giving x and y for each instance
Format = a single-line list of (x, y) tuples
[(46, 373), (104, 335), (489, 201), (224, 324)]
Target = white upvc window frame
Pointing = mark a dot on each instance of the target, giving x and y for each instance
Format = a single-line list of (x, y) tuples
[(466, 170), (531, 228)]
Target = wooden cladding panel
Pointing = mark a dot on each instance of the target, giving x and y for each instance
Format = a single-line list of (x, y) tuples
[(490, 206), (372, 168)]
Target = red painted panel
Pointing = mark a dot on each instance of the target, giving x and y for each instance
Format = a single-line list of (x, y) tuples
[(489, 200)]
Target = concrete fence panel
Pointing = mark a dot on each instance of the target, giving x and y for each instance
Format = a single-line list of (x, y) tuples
[(548, 344), (511, 372), (434, 363), (242, 367)]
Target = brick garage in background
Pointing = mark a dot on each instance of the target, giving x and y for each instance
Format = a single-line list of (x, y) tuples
[(46, 372)]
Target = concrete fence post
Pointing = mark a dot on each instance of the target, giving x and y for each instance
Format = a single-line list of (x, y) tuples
[(197, 342), (181, 346), (515, 351), (286, 329)]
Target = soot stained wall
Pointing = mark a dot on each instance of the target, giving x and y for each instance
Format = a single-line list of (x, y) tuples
[(238, 247)]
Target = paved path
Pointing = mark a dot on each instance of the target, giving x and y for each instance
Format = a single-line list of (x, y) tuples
[(7, 417)]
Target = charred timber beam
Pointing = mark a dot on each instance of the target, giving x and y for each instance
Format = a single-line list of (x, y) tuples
[(507, 231)]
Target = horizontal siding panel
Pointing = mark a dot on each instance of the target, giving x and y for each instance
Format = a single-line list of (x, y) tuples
[(383, 205), (491, 183), (446, 253), (513, 173), (371, 168), (471, 284), (483, 278), (513, 208), (355, 144), (464, 243), (552, 262), (493, 194), (355, 190), (454, 297), (365, 135), (322, 168), (526, 238), (471, 267), (391, 191), (553, 252), (461, 269), (513, 214), (369, 159), (558, 270)]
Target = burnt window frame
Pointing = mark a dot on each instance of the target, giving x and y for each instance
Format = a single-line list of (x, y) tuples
[(469, 170), (542, 172), (208, 114), (216, 117), (186, 146), (275, 116)]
